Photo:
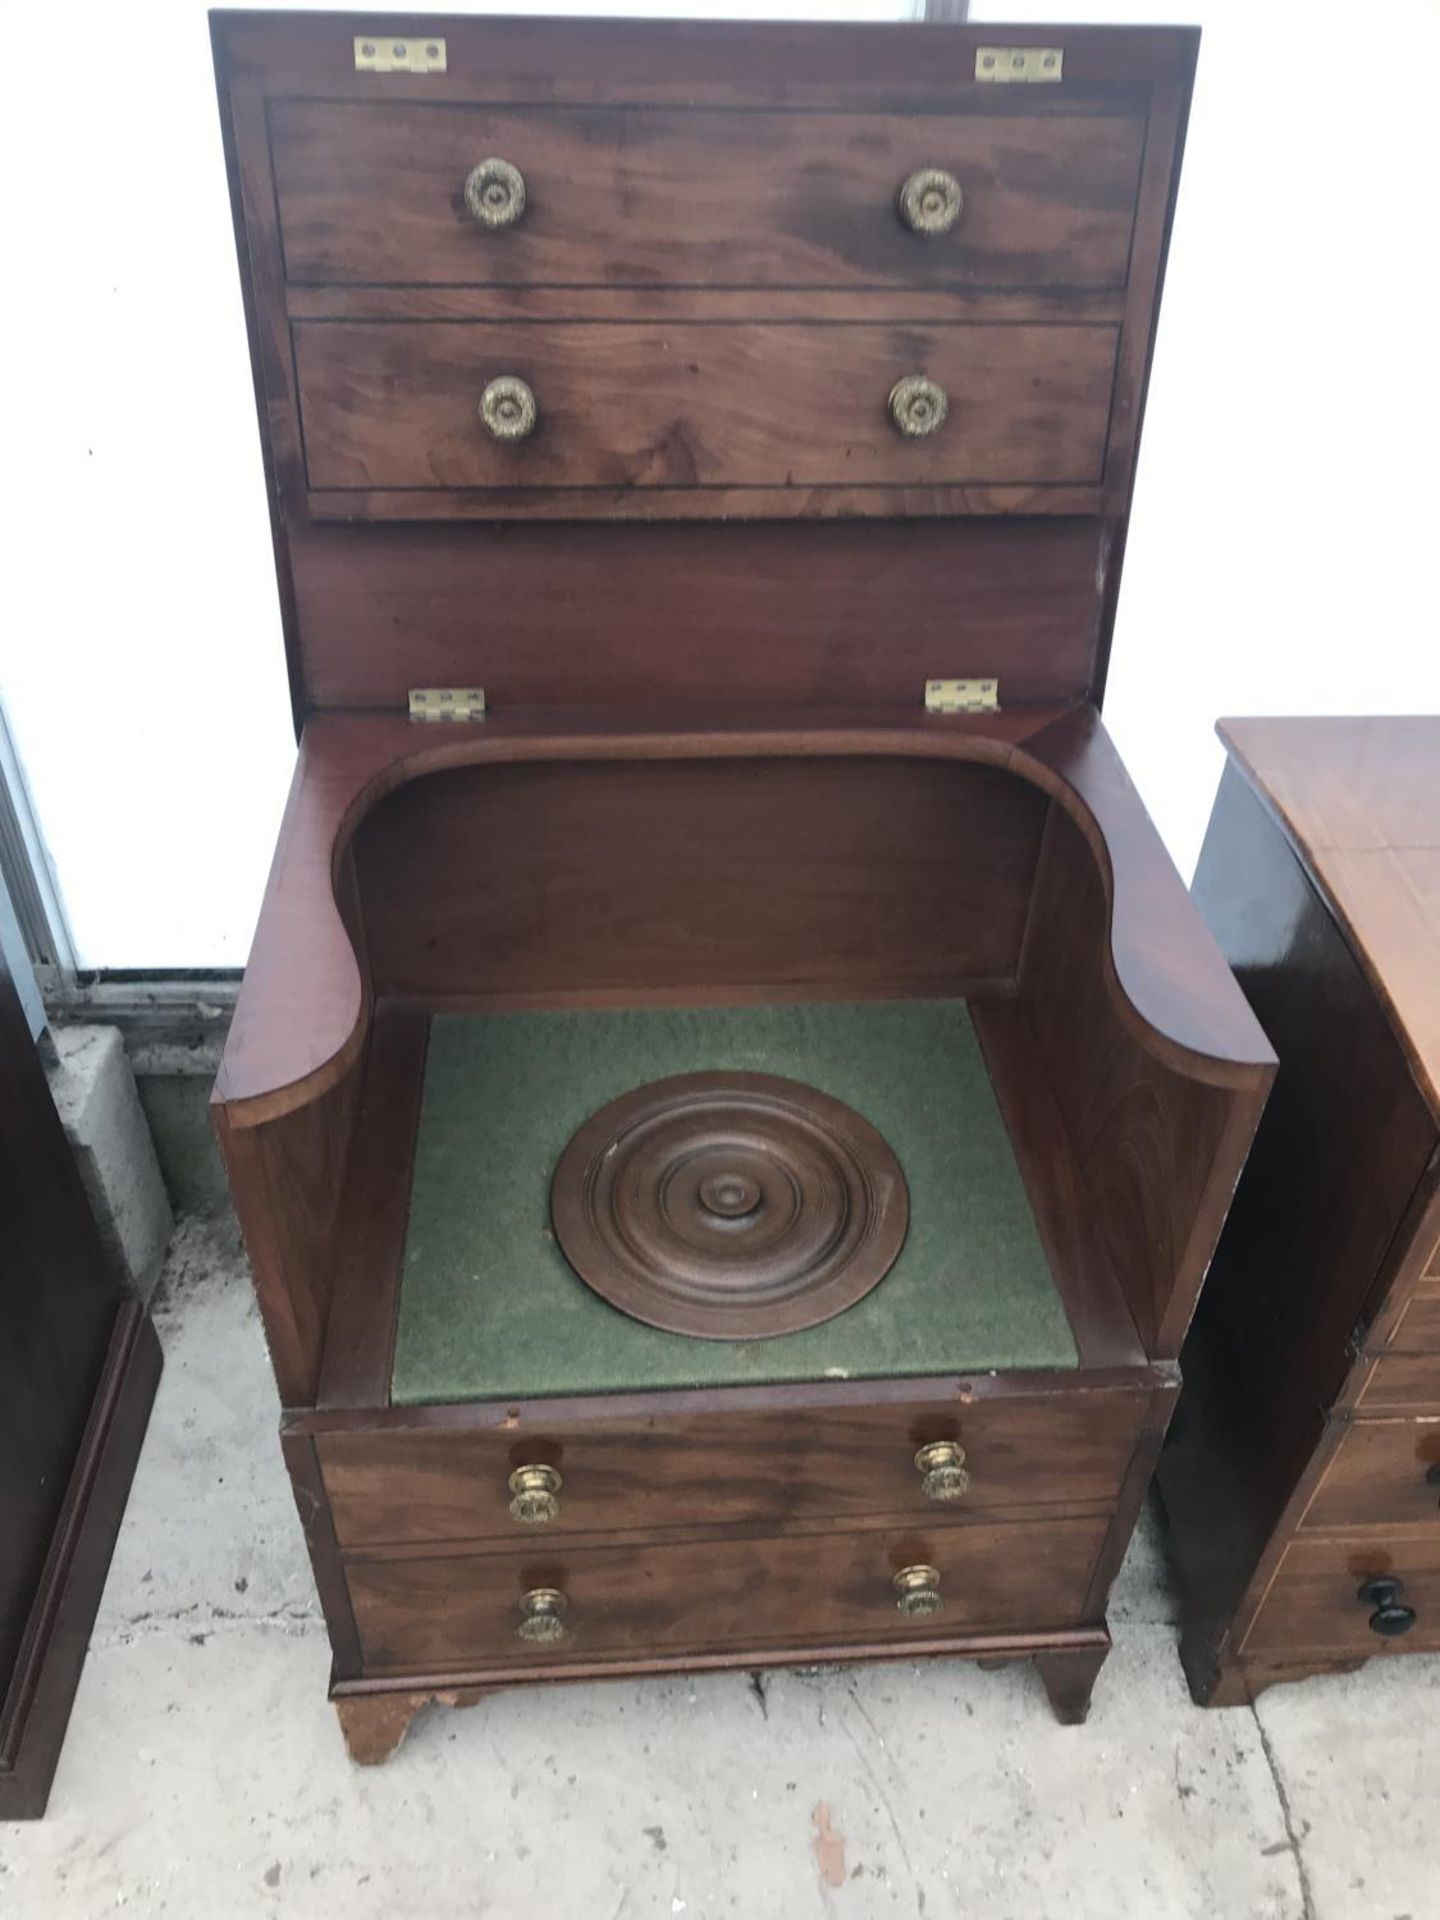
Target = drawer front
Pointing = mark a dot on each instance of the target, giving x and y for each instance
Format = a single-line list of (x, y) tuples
[(1418, 1328), (626, 406), (1402, 1383), (1313, 1604), (645, 197), (1384, 1472), (432, 1485), (709, 1596)]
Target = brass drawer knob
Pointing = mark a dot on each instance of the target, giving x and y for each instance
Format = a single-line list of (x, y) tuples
[(917, 1592), (542, 1616), (535, 1495), (495, 194), (931, 201), (917, 407), (508, 408), (941, 1466)]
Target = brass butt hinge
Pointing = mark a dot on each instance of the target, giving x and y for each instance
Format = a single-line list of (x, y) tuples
[(447, 703), (962, 696), (1023, 64), (374, 53)]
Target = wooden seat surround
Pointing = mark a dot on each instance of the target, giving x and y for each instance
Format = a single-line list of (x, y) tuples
[(703, 499)]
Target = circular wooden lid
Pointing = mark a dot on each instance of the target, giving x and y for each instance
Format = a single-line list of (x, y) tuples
[(729, 1205)]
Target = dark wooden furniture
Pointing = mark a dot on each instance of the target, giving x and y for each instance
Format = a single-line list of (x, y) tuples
[(79, 1362), (606, 367), (1302, 1478)]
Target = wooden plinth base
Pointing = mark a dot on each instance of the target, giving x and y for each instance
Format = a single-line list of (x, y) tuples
[(374, 1725)]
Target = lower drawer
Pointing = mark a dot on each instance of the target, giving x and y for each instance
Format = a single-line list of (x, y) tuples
[(1383, 1473), (395, 405), (1314, 1603), (1418, 1328), (1402, 1383), (711, 1595)]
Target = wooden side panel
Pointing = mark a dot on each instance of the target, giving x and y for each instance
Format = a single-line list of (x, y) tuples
[(1346, 1136), (287, 1179), (570, 882), (1158, 1153)]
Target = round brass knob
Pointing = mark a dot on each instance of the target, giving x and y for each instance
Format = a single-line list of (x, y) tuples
[(535, 1495), (917, 407), (542, 1616), (941, 1466), (508, 408), (931, 201), (917, 1591), (495, 194)]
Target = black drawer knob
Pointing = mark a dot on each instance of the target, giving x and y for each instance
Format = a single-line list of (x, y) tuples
[(1390, 1619), (1432, 1475)]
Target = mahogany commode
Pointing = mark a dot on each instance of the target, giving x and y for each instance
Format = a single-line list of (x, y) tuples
[(1302, 1480), (751, 413)]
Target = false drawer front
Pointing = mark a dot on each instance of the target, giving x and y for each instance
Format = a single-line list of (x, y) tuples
[(1315, 1601), (646, 197), (1384, 1472), (711, 1595), (471, 405), (429, 1485)]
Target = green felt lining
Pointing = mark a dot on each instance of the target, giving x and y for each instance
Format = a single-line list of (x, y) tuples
[(489, 1308)]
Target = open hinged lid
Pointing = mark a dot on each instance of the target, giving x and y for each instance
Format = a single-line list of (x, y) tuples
[(606, 362)]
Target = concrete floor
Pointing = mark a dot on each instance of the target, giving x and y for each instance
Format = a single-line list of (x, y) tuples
[(204, 1773)]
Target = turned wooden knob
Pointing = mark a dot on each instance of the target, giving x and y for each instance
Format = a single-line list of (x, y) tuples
[(941, 1466), (917, 407), (535, 1495), (542, 1616), (495, 194), (931, 201), (507, 408), (1390, 1618), (917, 1592)]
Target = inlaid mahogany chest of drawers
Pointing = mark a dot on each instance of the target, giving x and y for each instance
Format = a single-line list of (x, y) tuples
[(730, 1123), (1302, 1478)]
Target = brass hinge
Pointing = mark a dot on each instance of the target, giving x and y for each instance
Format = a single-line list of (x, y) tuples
[(447, 703), (1032, 64), (962, 696), (374, 54)]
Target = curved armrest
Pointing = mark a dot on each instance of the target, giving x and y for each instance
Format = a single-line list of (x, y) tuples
[(1170, 972)]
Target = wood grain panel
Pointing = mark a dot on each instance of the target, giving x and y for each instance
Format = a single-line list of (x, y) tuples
[(1157, 1152), (686, 613), (287, 1179), (1346, 1136), (1312, 1605), (1360, 798), (1377, 1477), (634, 196), (1071, 1445), (1402, 1383), (636, 405), (1418, 1329), (429, 1614), (561, 882)]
